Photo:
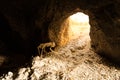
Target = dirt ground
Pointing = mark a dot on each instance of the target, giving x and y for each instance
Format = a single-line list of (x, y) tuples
[(75, 61)]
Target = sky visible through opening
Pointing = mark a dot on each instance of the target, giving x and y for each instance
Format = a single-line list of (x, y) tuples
[(79, 27)]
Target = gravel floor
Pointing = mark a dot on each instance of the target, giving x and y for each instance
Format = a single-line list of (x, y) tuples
[(75, 61)]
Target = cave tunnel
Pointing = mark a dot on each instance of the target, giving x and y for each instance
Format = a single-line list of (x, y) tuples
[(24, 26), (74, 27)]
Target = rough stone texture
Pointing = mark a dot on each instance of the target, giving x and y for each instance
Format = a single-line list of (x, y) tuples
[(25, 24), (105, 31), (75, 61)]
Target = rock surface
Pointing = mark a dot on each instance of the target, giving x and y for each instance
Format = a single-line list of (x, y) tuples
[(25, 24), (75, 61)]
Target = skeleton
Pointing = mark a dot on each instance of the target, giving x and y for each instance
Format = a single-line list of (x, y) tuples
[(43, 47)]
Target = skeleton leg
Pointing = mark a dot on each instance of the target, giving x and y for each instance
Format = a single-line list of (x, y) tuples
[(52, 46), (41, 46), (51, 49)]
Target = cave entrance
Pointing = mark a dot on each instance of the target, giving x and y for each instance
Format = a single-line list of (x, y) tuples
[(79, 29)]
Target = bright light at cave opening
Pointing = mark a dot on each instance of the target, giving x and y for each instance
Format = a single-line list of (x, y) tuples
[(79, 17), (79, 27)]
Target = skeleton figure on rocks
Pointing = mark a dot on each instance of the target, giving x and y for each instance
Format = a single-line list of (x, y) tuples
[(42, 48)]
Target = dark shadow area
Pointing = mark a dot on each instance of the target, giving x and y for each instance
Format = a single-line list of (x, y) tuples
[(110, 62), (17, 51)]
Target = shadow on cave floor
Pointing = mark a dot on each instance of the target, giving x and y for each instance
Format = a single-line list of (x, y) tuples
[(13, 52), (75, 61), (13, 62)]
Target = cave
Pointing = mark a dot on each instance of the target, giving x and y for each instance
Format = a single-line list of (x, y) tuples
[(25, 25), (75, 26)]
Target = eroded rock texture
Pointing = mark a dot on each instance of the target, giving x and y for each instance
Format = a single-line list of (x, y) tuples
[(105, 31), (25, 24)]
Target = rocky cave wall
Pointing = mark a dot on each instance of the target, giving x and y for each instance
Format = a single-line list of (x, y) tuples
[(25, 24), (105, 31)]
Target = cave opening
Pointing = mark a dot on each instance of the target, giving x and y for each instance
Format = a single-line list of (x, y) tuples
[(79, 27), (75, 30), (69, 62)]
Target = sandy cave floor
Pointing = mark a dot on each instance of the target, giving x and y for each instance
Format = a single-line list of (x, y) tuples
[(75, 61)]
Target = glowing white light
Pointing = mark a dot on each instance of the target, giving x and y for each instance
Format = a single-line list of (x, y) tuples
[(79, 25), (79, 17)]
